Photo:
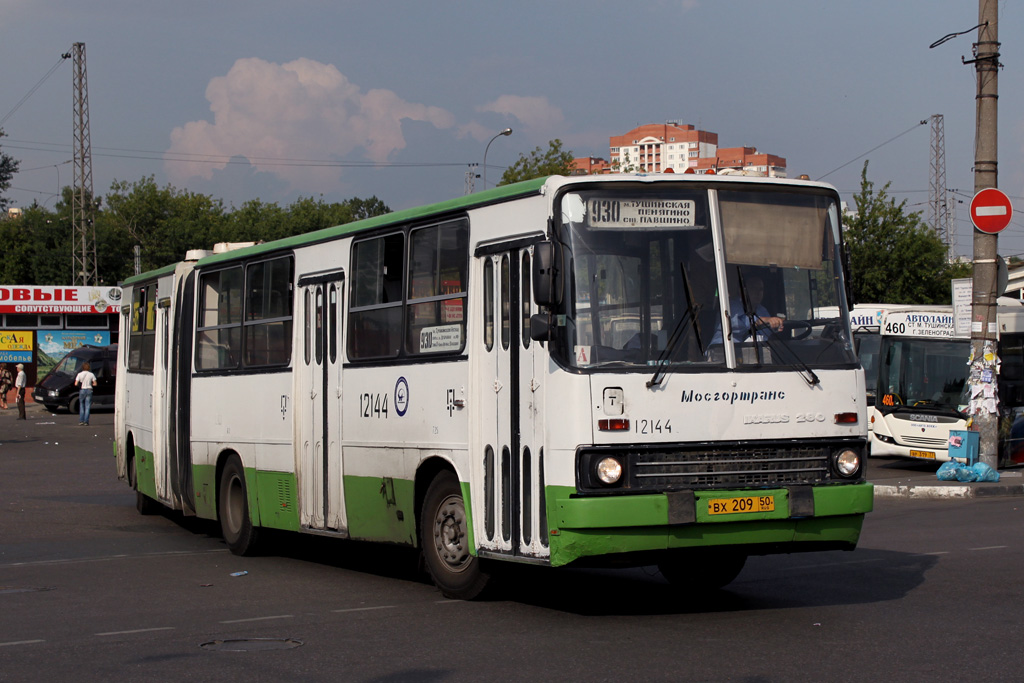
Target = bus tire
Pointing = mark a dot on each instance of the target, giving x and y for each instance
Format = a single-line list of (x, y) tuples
[(696, 572), (444, 538), (233, 510), (143, 503)]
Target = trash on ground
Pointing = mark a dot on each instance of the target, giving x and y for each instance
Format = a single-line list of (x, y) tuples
[(955, 471), (238, 573)]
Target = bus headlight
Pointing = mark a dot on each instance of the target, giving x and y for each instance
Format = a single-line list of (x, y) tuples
[(847, 462), (609, 470)]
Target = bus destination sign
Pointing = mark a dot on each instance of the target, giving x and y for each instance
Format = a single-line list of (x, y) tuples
[(919, 324), (651, 213)]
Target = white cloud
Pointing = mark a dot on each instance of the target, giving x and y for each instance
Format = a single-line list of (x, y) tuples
[(531, 112), (301, 110)]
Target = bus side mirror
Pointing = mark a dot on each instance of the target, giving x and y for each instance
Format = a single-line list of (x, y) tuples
[(540, 327), (546, 275)]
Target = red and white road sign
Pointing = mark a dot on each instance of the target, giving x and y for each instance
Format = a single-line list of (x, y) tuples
[(991, 210)]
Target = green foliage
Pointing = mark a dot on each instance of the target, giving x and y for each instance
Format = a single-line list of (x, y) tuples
[(8, 167), (540, 163), (624, 165), (164, 222), (895, 257)]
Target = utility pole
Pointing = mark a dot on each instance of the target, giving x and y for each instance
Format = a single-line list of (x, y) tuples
[(83, 230), (983, 312)]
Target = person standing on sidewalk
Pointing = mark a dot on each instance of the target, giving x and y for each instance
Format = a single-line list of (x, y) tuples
[(20, 383), (85, 381)]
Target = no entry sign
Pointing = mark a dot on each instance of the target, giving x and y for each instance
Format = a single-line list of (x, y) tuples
[(991, 210)]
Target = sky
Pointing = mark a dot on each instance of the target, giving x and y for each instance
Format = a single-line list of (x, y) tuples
[(246, 100)]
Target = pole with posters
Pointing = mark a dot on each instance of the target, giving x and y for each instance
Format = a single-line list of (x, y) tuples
[(984, 362)]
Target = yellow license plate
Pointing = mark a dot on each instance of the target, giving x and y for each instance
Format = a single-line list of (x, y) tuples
[(734, 506), (922, 454)]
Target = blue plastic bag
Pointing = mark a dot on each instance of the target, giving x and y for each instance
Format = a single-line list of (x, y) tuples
[(947, 471), (966, 474), (984, 472)]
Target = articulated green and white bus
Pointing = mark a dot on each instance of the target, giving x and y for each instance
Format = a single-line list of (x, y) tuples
[(591, 370)]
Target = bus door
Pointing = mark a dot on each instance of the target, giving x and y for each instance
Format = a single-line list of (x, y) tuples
[(318, 404), (513, 479), (162, 458), (179, 361)]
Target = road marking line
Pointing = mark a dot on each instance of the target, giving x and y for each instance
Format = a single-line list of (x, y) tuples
[(137, 630), (106, 558), (937, 552), (361, 609), (240, 621), (21, 642), (991, 547)]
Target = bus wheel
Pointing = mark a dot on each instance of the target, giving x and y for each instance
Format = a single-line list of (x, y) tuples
[(695, 572), (444, 537), (143, 503), (233, 510)]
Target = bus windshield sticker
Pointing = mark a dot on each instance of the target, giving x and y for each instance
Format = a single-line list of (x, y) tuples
[(582, 355), (440, 338), (651, 214)]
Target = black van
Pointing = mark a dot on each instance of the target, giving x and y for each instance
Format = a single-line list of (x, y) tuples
[(58, 390)]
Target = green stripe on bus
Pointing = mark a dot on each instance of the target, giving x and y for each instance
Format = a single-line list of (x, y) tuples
[(586, 527), (145, 475), (381, 509), (204, 480), (277, 499)]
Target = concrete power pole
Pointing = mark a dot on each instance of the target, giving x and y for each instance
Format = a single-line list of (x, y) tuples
[(937, 200), (983, 314), (83, 230)]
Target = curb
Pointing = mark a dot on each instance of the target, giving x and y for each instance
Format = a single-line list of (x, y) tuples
[(945, 492)]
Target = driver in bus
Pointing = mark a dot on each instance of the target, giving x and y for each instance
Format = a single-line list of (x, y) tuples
[(740, 319)]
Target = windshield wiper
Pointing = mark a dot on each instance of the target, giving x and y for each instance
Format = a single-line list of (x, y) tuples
[(774, 344), (748, 310), (689, 316)]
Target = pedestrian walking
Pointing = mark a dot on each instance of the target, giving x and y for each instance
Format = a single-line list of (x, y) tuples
[(20, 383), (85, 381), (6, 382)]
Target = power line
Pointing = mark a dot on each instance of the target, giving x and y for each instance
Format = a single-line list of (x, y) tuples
[(919, 123), (42, 80)]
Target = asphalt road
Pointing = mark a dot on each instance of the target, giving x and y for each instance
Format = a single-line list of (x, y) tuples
[(90, 591)]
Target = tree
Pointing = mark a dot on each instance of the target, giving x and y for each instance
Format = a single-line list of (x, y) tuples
[(540, 163), (8, 167), (895, 258), (164, 222), (624, 165)]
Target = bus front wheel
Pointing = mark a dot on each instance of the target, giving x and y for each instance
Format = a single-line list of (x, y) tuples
[(444, 537), (233, 510), (695, 572)]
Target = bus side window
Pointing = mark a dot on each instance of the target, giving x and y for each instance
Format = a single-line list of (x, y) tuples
[(375, 298), (438, 263), (488, 326)]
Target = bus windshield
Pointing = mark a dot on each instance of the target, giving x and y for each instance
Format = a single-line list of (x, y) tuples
[(647, 274), (921, 372)]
